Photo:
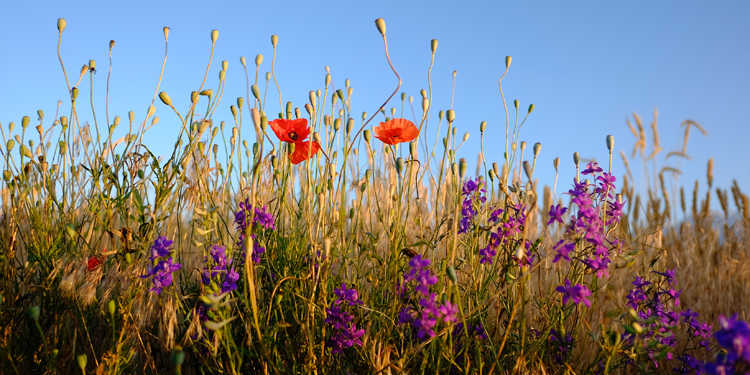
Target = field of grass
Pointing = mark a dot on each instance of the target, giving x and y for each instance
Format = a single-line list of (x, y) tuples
[(313, 239)]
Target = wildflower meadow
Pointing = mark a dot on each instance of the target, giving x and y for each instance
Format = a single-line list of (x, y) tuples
[(328, 238)]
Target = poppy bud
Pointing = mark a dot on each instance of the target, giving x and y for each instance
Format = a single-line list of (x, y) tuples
[(258, 59), (482, 126), (40, 114), (165, 29), (466, 137), (256, 92), (309, 109), (537, 148), (289, 109), (240, 102), (224, 65), (495, 168), (445, 142), (527, 169), (349, 125), (403, 96), (214, 35), (296, 112), (92, 65), (461, 167), (425, 104), (165, 98), (111, 307), (233, 109), (274, 40), (451, 272), (413, 150), (25, 122), (115, 122), (451, 115), (222, 75), (516, 103), (243, 61), (84, 69), (531, 108), (576, 158), (61, 23), (433, 45), (337, 124), (81, 359), (556, 163), (364, 116), (508, 60), (492, 175), (316, 137), (34, 312), (328, 79), (399, 165), (380, 24), (111, 45), (215, 149), (610, 142), (313, 99), (74, 93), (178, 357), (367, 135), (268, 76)]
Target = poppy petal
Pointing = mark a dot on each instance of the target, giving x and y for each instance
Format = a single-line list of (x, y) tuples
[(303, 151)]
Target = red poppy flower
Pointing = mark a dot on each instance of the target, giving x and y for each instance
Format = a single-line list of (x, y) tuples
[(291, 131), (94, 262), (395, 131), (303, 151)]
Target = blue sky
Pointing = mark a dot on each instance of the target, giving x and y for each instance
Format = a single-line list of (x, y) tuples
[(585, 65)]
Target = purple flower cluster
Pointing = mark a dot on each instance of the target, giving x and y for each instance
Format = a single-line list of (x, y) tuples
[(345, 332), (508, 227), (220, 271), (429, 312), (261, 218), (596, 208), (473, 193), (578, 293), (162, 265), (657, 305), (734, 338)]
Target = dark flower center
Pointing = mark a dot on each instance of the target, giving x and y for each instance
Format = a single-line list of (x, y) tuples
[(293, 136)]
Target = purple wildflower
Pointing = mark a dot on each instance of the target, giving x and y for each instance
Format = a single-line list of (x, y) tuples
[(345, 332), (577, 293), (555, 214), (161, 272), (592, 167), (563, 250)]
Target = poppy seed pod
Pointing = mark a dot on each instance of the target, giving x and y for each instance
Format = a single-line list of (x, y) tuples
[(289, 108), (240, 102), (433, 45), (576, 158), (165, 29), (74, 93), (380, 24), (243, 61), (84, 69), (111, 45), (258, 59), (309, 109), (461, 167), (224, 65), (364, 116), (403, 96), (482, 126), (92, 65), (61, 23), (233, 109), (349, 125), (508, 60), (531, 108), (194, 97), (312, 98), (64, 121), (367, 135), (165, 98), (268, 76), (274, 40), (466, 137), (255, 91), (451, 115), (425, 104), (11, 143), (328, 79), (40, 114), (25, 122), (413, 150), (537, 148), (222, 75), (610, 142), (556, 163), (40, 130), (214, 35), (496, 169)]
